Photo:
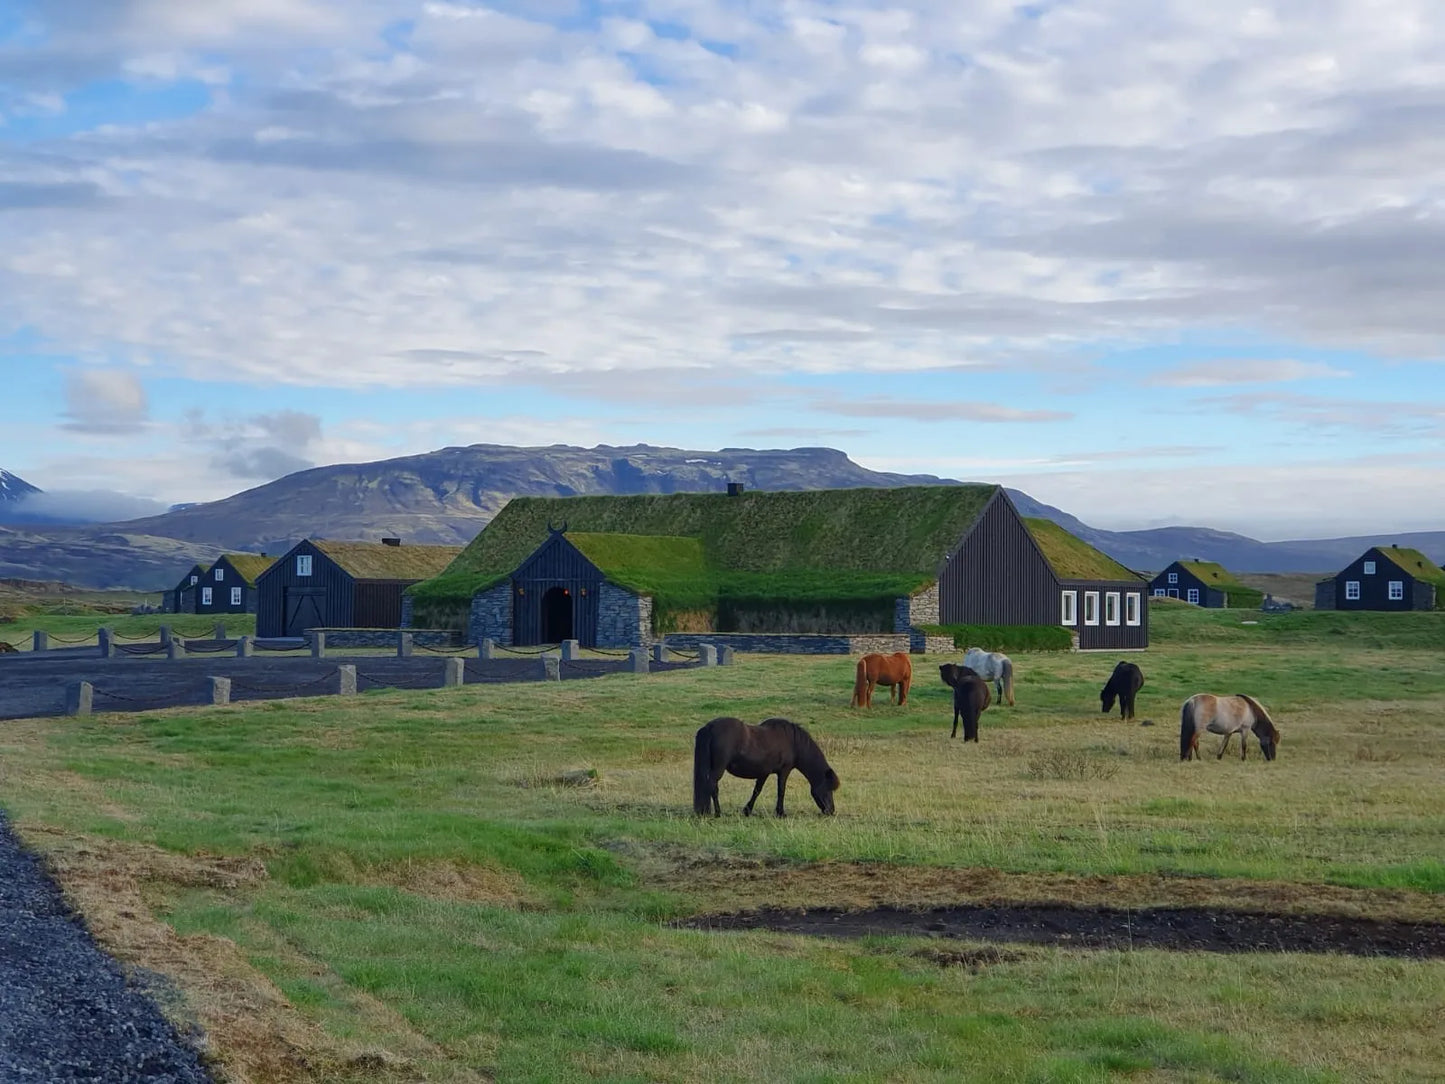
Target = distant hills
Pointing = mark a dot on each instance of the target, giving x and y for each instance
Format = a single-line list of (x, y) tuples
[(14, 489), (447, 496)]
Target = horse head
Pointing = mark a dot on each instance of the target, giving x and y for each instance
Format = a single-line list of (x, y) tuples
[(823, 788)]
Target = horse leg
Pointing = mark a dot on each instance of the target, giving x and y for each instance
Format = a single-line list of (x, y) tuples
[(782, 786), (712, 793), (955, 720), (757, 789), (1225, 746), (903, 691)]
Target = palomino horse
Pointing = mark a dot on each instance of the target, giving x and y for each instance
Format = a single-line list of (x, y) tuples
[(1227, 715), (970, 698), (1124, 683), (774, 746), (895, 671), (993, 666)]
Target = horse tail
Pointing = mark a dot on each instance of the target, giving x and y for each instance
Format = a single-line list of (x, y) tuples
[(1186, 728), (702, 771), (860, 686), (1006, 675)]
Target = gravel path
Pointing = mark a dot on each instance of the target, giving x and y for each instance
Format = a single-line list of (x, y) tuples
[(67, 1012)]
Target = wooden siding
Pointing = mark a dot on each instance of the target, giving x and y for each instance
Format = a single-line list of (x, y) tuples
[(1210, 597), (1375, 587), (997, 575), (556, 563), (1103, 636), (288, 604), (378, 603), (221, 591)]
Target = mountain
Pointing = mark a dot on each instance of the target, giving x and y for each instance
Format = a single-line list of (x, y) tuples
[(104, 557), (13, 488)]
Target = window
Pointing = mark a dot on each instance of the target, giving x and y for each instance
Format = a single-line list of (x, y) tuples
[(1173, 592), (1397, 590), (1352, 589), (1369, 568), (1071, 608), (194, 579), (235, 596), (1194, 595), (220, 574), (1131, 608), (1173, 577), (1159, 592), (1091, 607), (205, 596), (1111, 608), (303, 564)]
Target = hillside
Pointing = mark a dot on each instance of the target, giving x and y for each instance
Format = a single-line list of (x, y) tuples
[(13, 488)]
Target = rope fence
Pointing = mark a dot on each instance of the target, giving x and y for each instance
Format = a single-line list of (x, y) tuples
[(523, 651), (139, 649), (209, 647), (453, 652), (281, 690), (69, 640), (381, 683)]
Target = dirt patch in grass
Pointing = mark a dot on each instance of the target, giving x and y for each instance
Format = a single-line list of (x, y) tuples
[(1180, 929)]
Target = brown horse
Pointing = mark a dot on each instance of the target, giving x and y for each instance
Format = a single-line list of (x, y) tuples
[(774, 746), (895, 671), (971, 697), (1227, 715)]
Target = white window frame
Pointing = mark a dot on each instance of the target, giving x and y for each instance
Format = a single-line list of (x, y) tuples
[(1091, 607), (1173, 592), (194, 579), (1397, 590), (1111, 608), (1352, 590), (220, 574), (1069, 603), (303, 564), (1160, 592), (1369, 568), (1173, 577), (205, 596), (235, 596), (1193, 595), (1133, 608)]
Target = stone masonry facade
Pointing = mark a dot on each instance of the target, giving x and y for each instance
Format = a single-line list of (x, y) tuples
[(623, 619), (491, 616), (885, 643)]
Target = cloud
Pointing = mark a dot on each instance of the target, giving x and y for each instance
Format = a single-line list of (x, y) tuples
[(943, 410), (31, 195), (258, 447), (104, 402), (1215, 374), (83, 506)]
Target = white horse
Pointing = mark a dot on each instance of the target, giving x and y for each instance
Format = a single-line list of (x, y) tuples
[(1227, 715), (993, 666)]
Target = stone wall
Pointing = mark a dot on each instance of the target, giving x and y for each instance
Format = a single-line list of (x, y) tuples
[(624, 619), (919, 609), (354, 638), (884, 643), (491, 616)]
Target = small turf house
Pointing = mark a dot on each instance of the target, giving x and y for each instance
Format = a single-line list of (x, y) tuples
[(181, 599), (621, 571), (1205, 583), (229, 585), (324, 584), (1384, 578)]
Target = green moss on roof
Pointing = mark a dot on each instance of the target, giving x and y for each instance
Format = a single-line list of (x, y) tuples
[(1414, 563), (1072, 558), (375, 561), (1212, 573), (248, 565), (904, 532)]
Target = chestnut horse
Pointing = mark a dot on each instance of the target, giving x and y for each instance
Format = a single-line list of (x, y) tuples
[(774, 746), (970, 698), (1227, 715), (895, 671)]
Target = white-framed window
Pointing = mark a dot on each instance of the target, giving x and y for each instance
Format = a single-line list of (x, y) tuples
[(194, 579), (1369, 568), (235, 596), (205, 596), (1111, 608), (1159, 592), (1173, 577), (1352, 590), (1132, 603), (303, 564), (1091, 607), (1069, 602), (1397, 590), (220, 574), (1194, 595), (1173, 592)]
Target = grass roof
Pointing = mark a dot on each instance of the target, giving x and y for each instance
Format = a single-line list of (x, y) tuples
[(248, 565), (1414, 563), (1212, 573), (375, 561), (639, 561), (1072, 558), (905, 531)]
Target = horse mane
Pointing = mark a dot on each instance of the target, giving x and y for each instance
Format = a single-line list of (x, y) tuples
[(1260, 714), (807, 753)]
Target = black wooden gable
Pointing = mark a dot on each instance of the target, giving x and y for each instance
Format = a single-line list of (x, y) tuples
[(558, 561)]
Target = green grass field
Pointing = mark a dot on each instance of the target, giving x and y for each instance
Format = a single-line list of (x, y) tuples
[(72, 630), (476, 884)]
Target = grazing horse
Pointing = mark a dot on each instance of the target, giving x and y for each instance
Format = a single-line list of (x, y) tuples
[(970, 698), (1126, 680), (1227, 715), (774, 746), (895, 671), (993, 666)]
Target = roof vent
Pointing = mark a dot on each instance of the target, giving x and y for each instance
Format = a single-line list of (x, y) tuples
[(391, 541), (735, 489)]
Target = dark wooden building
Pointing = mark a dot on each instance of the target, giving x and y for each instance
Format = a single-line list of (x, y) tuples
[(1384, 578), (1204, 583), (324, 584), (181, 599), (229, 585)]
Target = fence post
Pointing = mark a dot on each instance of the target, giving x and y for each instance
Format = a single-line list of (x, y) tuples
[(637, 661), (105, 638), (551, 666), (165, 634), (318, 645), (724, 655), (659, 652), (404, 644), (571, 650), (487, 649), (220, 630), (79, 698), (244, 647), (707, 654), (453, 673), (220, 690), (176, 649), (41, 641), (347, 674)]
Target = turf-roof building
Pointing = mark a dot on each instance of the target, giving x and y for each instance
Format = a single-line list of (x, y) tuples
[(623, 571), (1384, 578), (328, 585), (1205, 583), (181, 599), (229, 585)]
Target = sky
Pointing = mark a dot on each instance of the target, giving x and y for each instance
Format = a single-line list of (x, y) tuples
[(1151, 261)]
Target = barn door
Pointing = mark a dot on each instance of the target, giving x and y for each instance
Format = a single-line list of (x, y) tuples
[(303, 611)]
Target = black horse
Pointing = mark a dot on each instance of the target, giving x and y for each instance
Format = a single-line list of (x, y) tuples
[(971, 697), (774, 746), (1126, 680)]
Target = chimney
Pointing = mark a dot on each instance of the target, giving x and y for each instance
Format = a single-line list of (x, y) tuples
[(391, 541), (735, 489)]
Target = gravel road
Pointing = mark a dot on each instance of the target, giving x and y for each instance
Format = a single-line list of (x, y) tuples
[(67, 1012)]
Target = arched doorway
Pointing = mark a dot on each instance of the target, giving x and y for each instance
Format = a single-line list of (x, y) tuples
[(556, 615)]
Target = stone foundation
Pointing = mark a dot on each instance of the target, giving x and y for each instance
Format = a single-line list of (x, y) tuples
[(623, 619), (353, 638), (883, 643), (919, 609), (491, 616)]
